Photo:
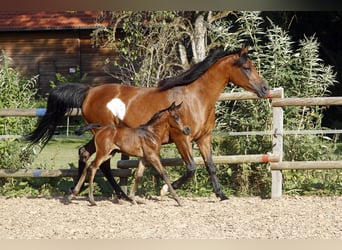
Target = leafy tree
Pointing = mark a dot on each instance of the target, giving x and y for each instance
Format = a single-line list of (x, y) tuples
[(153, 45)]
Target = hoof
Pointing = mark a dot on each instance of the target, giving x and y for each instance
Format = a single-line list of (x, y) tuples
[(180, 203), (224, 198), (164, 191), (69, 198), (92, 203)]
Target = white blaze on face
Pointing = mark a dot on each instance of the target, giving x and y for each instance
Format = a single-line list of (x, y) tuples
[(117, 107)]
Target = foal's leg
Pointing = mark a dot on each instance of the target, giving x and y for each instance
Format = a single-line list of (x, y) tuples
[(85, 153), (155, 161), (102, 154), (138, 175), (92, 171), (79, 184), (204, 145)]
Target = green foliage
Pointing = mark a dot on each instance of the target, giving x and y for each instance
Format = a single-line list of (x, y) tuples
[(148, 50), (16, 92), (76, 77), (298, 69)]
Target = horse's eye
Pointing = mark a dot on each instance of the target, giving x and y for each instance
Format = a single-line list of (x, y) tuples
[(247, 70), (175, 117)]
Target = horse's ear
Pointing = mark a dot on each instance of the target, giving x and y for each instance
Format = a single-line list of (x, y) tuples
[(244, 50), (173, 105), (179, 105)]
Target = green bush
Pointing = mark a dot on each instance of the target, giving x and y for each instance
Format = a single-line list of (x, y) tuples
[(17, 91)]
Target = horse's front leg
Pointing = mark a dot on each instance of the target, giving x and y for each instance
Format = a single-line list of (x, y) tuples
[(204, 145), (185, 150)]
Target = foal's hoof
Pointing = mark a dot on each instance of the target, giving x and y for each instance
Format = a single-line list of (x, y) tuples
[(179, 203), (92, 203), (164, 191)]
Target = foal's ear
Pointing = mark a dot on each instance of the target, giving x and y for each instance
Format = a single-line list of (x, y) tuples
[(179, 105)]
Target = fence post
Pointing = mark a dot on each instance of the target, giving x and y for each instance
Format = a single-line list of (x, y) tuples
[(277, 142)]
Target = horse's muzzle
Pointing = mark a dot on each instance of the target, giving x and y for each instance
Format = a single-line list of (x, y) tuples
[(186, 131), (263, 91)]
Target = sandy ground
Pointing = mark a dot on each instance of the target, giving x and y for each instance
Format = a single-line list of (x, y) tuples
[(198, 218)]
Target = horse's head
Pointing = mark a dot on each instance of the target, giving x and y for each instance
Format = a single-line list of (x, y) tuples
[(175, 120), (245, 75)]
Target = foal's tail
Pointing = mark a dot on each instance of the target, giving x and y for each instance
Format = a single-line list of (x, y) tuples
[(87, 127), (62, 99)]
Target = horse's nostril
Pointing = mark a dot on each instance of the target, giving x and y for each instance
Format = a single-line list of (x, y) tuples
[(186, 130)]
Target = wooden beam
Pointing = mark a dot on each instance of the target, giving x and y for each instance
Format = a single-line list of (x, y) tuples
[(305, 165), (226, 159), (55, 172), (315, 101)]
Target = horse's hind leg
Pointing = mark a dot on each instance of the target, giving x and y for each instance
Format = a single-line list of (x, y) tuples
[(105, 168)]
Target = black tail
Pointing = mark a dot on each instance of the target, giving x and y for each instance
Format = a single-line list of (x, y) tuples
[(83, 129), (61, 100)]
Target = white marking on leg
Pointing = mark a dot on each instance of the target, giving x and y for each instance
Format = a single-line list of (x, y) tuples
[(164, 191), (117, 107)]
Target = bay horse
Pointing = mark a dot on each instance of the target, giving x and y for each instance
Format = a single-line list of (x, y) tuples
[(144, 142), (199, 88)]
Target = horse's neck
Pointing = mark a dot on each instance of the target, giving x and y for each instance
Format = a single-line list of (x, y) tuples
[(212, 83)]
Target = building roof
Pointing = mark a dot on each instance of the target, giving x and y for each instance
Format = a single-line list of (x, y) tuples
[(45, 20)]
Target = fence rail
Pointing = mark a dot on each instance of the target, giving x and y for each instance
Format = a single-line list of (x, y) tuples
[(274, 159), (56, 173), (232, 159)]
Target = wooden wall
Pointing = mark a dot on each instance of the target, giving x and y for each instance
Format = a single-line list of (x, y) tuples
[(49, 52)]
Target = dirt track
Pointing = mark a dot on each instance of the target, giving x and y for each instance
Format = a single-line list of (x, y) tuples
[(199, 218)]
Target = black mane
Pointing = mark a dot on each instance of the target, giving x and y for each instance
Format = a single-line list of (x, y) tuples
[(155, 117), (195, 71)]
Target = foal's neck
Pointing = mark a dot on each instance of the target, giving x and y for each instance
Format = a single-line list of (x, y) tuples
[(158, 128)]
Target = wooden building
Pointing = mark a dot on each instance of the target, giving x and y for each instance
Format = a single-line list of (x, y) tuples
[(45, 43)]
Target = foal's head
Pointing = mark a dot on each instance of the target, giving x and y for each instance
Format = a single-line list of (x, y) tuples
[(174, 119), (171, 117)]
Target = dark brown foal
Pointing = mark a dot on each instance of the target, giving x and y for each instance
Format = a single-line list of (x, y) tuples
[(144, 142)]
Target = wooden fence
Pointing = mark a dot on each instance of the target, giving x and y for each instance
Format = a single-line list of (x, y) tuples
[(274, 159)]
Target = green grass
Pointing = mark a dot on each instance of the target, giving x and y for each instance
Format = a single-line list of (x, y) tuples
[(62, 153)]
